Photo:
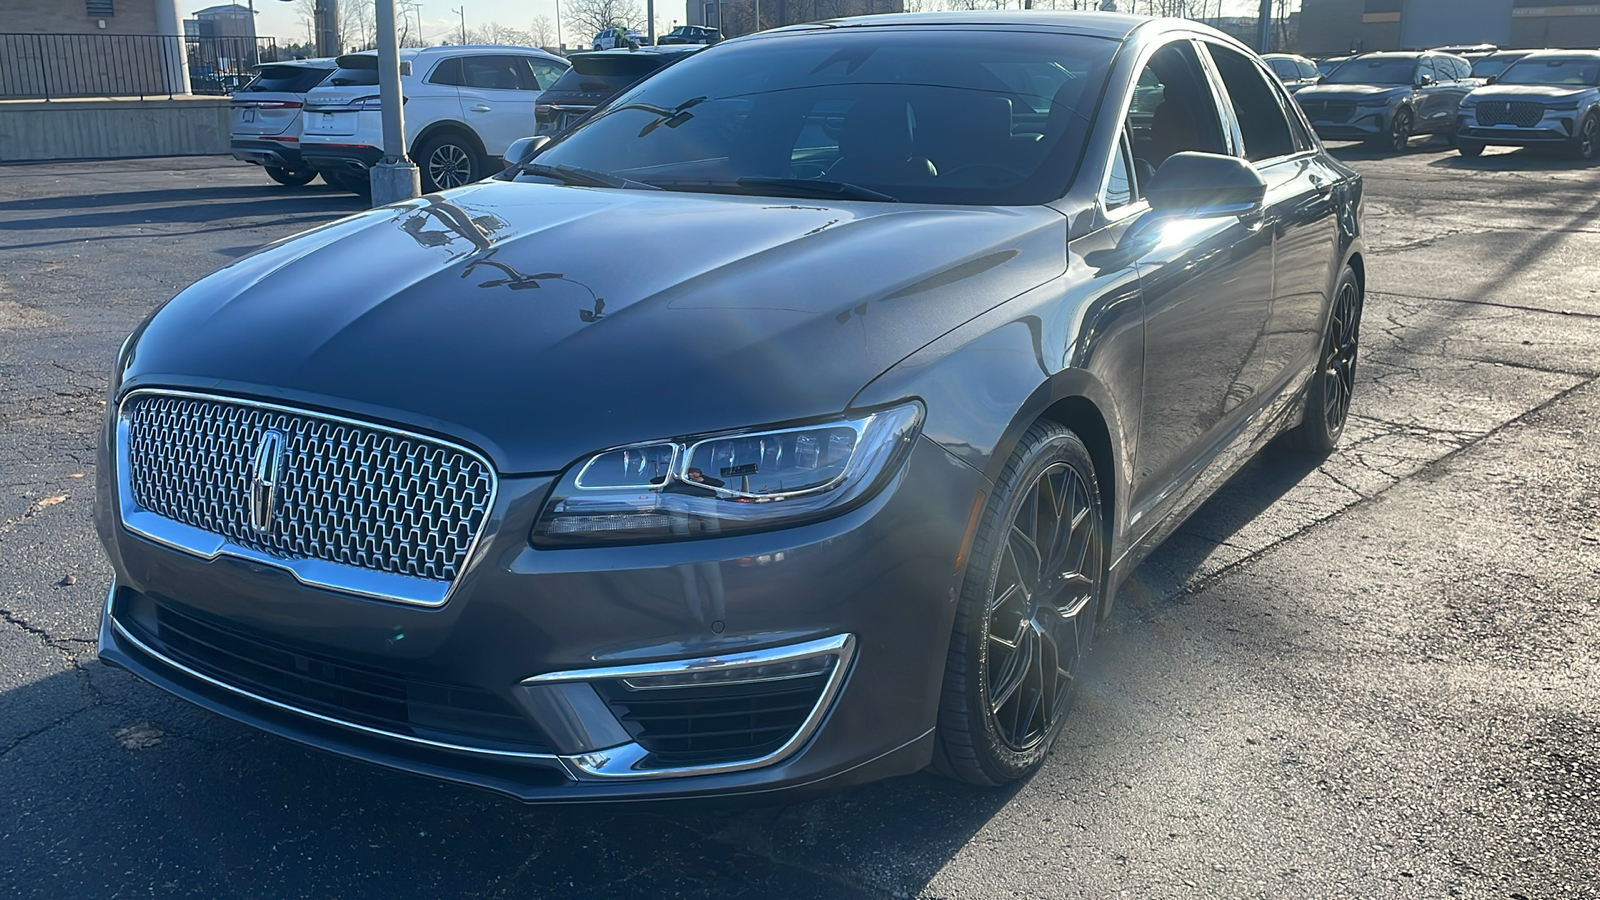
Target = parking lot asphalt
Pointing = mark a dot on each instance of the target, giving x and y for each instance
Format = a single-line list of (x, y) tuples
[(1371, 677)]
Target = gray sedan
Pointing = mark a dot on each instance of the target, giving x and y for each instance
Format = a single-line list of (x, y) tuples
[(789, 423)]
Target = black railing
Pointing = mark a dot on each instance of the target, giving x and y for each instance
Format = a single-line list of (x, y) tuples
[(52, 66)]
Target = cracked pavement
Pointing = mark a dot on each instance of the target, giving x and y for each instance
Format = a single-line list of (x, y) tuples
[(1374, 676)]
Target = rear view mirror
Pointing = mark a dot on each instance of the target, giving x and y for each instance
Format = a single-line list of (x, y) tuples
[(524, 149), (1206, 184)]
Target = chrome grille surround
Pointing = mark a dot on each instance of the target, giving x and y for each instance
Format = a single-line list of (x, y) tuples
[(359, 508), (1521, 113)]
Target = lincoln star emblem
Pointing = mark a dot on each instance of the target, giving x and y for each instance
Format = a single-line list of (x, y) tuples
[(265, 471)]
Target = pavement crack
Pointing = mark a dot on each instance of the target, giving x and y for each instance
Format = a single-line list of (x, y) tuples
[(18, 742)]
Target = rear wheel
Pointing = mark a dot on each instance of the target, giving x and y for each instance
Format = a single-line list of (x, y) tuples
[(1469, 148), (349, 181), (1027, 611), (448, 160), (1586, 143), (1327, 406), (291, 177)]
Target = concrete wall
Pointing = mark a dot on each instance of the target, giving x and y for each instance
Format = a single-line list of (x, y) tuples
[(69, 17), (93, 129)]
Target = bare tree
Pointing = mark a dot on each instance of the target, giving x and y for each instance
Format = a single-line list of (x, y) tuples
[(543, 31), (495, 33), (588, 18)]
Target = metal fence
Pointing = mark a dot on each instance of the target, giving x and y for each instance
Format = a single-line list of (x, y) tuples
[(52, 66)]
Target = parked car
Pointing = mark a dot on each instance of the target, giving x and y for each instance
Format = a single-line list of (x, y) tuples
[(739, 441), (691, 34), (1327, 64), (1295, 72), (1494, 64), (619, 38), (464, 106), (1385, 99), (266, 118), (594, 78), (1470, 52), (1546, 99)]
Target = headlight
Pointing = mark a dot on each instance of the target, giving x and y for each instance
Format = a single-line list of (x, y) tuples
[(722, 484), (1563, 105), (1373, 102)]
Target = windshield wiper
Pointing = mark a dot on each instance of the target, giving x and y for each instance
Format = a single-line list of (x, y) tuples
[(842, 190), (583, 177), (781, 187)]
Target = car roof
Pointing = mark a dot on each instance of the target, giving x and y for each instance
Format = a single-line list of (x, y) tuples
[(1284, 56), (1093, 24), (662, 50), (320, 63), (1569, 54)]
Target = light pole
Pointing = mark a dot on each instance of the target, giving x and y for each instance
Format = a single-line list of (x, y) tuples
[(395, 177)]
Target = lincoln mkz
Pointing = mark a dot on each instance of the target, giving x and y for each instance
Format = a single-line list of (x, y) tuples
[(788, 423)]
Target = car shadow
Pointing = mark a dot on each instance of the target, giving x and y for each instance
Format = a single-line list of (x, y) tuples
[(1522, 160), (1360, 152)]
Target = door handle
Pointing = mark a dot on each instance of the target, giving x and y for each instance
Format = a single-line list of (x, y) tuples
[(1322, 187), (481, 107)]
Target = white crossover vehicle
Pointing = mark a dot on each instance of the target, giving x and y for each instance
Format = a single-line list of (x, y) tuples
[(463, 108), (266, 115)]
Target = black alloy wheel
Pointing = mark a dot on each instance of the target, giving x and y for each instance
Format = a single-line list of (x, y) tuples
[(448, 161), (1400, 131), (1027, 612), (1586, 143), (291, 177), (1327, 407)]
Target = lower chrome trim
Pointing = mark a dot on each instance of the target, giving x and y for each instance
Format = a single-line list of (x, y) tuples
[(625, 761), (329, 720)]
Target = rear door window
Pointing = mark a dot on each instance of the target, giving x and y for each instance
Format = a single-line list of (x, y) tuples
[(1261, 117)]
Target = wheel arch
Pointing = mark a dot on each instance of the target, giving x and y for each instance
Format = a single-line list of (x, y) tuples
[(449, 126)]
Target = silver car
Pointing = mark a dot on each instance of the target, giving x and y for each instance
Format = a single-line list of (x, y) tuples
[(266, 117)]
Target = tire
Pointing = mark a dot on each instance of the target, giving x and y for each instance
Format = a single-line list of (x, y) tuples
[(448, 159), (1586, 143), (1048, 484), (1327, 405), (1398, 137), (291, 177), (349, 181), (1469, 148)]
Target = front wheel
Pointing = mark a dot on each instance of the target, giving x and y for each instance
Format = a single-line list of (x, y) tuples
[(291, 177), (448, 161), (1399, 131), (1586, 143), (1027, 611), (1469, 148), (1327, 406)]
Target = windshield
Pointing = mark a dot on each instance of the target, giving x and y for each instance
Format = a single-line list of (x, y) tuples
[(930, 116), (1490, 66), (1577, 72), (1374, 71)]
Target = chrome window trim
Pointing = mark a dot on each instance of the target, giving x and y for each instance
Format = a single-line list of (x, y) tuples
[(314, 573), (341, 723), (624, 761), (1286, 105)]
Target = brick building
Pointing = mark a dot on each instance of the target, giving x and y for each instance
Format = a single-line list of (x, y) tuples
[(76, 48)]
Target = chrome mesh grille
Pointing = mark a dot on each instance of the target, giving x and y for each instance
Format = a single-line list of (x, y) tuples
[(1521, 113), (348, 494)]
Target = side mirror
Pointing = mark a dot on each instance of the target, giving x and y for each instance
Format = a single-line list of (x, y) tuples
[(1492, 79), (1424, 80), (524, 149), (1206, 185), (1322, 79)]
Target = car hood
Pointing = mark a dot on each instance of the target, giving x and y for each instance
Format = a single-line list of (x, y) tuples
[(1539, 92), (1352, 91), (543, 322)]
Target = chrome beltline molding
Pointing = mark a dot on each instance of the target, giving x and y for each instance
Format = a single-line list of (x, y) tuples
[(310, 572), (624, 761)]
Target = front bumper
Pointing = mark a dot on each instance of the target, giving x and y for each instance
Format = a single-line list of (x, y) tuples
[(1364, 125), (282, 153), (351, 159), (1555, 127), (878, 579)]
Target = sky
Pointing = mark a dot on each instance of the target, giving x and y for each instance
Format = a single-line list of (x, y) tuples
[(277, 18)]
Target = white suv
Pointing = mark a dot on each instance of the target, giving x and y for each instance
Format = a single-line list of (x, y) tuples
[(463, 108)]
